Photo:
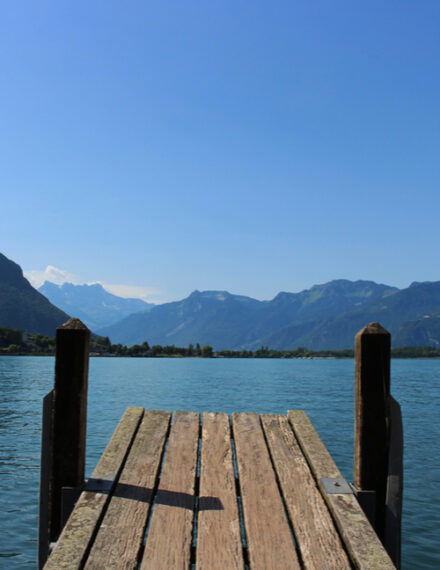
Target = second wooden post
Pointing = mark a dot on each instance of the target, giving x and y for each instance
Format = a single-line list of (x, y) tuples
[(372, 390)]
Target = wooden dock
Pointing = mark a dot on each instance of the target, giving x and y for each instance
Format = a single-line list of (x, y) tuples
[(180, 491), (167, 495)]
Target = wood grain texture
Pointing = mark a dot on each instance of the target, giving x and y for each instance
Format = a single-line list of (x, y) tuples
[(362, 544), (218, 538), (170, 533), (119, 540), (77, 533), (270, 542), (317, 538)]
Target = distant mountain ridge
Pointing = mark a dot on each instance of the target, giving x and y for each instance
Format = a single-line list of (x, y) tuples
[(406, 314), (326, 316), (95, 306), (236, 322), (22, 306)]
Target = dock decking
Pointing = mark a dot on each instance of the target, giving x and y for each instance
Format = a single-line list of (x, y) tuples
[(256, 491)]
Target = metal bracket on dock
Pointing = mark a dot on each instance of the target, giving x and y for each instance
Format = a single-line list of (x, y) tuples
[(339, 486), (101, 485), (336, 486)]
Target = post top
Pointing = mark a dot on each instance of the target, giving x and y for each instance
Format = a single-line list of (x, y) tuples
[(373, 328), (73, 324)]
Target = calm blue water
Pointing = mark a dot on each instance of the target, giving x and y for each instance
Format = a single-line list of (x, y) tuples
[(324, 388)]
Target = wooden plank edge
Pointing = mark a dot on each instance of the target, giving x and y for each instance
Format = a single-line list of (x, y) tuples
[(283, 539), (360, 539), (317, 539), (118, 543), (180, 555), (217, 477), (78, 534)]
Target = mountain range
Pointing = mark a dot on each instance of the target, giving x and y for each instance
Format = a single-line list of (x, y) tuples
[(326, 316), (95, 306)]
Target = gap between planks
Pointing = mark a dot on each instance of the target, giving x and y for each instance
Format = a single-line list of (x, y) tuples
[(361, 541), (266, 489), (315, 534), (269, 539), (120, 536), (80, 530)]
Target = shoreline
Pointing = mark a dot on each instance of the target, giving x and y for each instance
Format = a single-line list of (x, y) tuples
[(216, 357)]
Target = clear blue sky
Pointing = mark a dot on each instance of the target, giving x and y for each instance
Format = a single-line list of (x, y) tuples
[(247, 146)]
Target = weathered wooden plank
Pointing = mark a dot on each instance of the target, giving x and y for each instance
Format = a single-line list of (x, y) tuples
[(218, 537), (362, 544), (119, 540), (170, 533), (80, 528), (270, 542), (317, 538)]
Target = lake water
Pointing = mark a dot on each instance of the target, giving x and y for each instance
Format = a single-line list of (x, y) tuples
[(324, 388)]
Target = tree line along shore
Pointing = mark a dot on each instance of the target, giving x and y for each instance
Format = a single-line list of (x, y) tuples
[(18, 342)]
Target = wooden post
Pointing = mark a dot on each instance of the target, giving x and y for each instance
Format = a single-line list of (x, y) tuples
[(45, 477), (69, 415), (393, 513), (372, 390)]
